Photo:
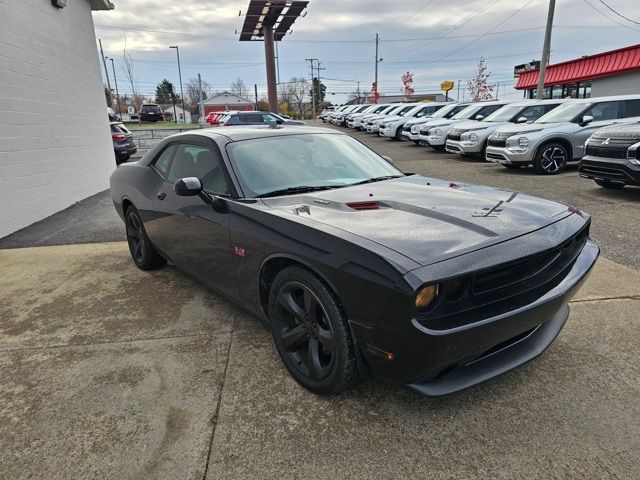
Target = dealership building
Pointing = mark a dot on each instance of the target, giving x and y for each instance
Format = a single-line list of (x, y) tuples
[(616, 72), (55, 141)]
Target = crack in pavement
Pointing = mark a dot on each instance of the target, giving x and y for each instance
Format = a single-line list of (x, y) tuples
[(108, 342), (214, 418), (599, 299)]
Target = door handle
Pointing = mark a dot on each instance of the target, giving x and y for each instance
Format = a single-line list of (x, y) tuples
[(161, 195)]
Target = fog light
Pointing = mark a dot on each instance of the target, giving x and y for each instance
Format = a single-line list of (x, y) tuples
[(425, 296)]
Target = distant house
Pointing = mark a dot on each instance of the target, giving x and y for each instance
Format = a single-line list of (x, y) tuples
[(181, 114), (227, 101), (418, 97)]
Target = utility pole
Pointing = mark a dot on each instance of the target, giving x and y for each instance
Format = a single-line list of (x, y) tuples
[(313, 97), (104, 63), (184, 112), (458, 97), (277, 64), (269, 56), (358, 93), (376, 74), (116, 82), (255, 91), (319, 92), (201, 98), (546, 48)]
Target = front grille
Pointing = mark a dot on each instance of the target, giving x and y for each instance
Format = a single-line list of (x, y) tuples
[(406, 128), (453, 136), (495, 156), (497, 142), (505, 287), (607, 151), (611, 172)]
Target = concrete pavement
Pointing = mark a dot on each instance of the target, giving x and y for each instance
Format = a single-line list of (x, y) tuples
[(110, 372)]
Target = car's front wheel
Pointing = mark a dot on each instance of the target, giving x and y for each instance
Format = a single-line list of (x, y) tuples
[(551, 159), (311, 332), (143, 253), (610, 185)]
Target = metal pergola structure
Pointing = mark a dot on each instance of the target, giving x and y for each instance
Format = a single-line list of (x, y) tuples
[(269, 21)]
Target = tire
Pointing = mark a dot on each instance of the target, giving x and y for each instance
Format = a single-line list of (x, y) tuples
[(311, 333), (398, 135), (551, 159), (610, 185), (511, 167), (143, 253)]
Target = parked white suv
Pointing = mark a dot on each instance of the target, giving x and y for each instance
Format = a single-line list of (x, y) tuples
[(394, 115), (359, 121), (392, 127), (372, 121), (470, 138), (559, 136), (434, 133), (411, 129)]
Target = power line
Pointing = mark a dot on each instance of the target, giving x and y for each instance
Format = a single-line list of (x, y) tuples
[(608, 17), (402, 24), (618, 13)]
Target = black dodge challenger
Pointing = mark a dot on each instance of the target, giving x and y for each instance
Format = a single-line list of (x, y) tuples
[(359, 269)]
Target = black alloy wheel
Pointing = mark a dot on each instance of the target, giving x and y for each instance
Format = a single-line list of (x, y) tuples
[(610, 185), (551, 159), (311, 332), (142, 252)]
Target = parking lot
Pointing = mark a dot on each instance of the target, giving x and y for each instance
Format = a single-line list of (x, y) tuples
[(108, 371)]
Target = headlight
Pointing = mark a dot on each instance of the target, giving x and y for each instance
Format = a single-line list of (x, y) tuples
[(523, 142), (425, 296), (473, 137), (436, 132)]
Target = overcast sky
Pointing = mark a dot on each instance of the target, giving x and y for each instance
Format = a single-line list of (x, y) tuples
[(436, 40)]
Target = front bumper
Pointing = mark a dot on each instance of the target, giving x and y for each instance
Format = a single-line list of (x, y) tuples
[(462, 147), (440, 362), (506, 156), (620, 171)]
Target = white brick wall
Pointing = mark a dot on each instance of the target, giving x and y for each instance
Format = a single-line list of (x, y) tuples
[(55, 144)]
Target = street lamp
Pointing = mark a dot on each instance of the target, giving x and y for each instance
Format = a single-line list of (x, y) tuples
[(115, 80), (184, 112)]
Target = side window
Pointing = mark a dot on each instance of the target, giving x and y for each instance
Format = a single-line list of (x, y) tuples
[(163, 161), (631, 108), (233, 120), (603, 111), (252, 118), (488, 110), (200, 162)]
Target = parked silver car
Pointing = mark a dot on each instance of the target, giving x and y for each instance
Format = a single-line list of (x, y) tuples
[(411, 129), (559, 136), (470, 138), (392, 127), (434, 134)]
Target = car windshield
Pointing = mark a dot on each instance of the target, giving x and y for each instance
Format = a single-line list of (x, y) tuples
[(424, 111), (448, 111), (405, 111), (564, 113), (505, 114), (468, 112), (271, 164)]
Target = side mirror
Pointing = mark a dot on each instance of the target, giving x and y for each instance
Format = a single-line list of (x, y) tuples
[(478, 117), (388, 159), (522, 120), (279, 122), (187, 187), (586, 120)]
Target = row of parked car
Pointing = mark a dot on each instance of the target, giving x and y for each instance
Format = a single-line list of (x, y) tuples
[(231, 118), (602, 133)]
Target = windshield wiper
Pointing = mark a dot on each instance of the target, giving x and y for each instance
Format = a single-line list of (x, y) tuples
[(376, 179), (298, 189)]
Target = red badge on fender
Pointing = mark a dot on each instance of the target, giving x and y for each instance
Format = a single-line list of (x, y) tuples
[(239, 251)]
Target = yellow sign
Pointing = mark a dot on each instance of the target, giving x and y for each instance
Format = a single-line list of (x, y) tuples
[(447, 85)]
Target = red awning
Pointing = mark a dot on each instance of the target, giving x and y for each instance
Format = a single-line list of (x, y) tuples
[(586, 68)]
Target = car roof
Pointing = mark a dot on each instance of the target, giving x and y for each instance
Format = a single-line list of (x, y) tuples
[(249, 132)]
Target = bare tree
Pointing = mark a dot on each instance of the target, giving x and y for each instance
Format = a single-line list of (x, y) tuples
[(192, 94), (238, 88), (298, 91), (478, 85), (129, 71)]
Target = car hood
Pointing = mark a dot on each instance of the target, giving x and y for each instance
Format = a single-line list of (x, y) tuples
[(527, 127), (425, 220), (475, 125)]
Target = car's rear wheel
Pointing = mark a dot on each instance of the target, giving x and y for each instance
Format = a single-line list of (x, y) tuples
[(610, 185), (398, 135), (311, 332), (551, 159), (142, 252)]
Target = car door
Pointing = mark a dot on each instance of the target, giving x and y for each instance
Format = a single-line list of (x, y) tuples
[(604, 114), (188, 229)]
